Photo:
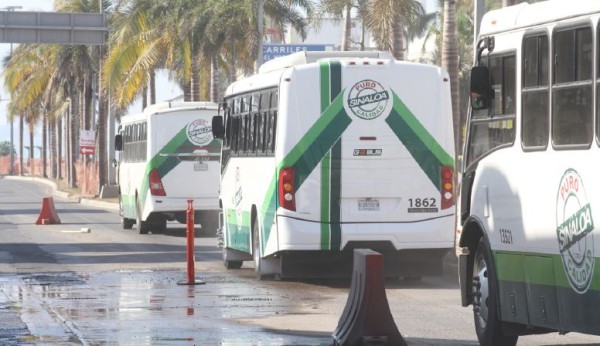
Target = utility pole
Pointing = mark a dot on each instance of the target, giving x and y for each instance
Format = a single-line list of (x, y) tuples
[(12, 152)]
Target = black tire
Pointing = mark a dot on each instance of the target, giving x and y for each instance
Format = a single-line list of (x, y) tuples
[(485, 301), (209, 220), (125, 222), (257, 251), (142, 226), (159, 224), (231, 264)]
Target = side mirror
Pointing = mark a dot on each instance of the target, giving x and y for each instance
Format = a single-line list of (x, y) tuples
[(114, 163), (481, 90), (218, 129), (119, 142)]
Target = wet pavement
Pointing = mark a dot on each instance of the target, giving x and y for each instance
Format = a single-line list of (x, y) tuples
[(109, 286), (145, 308)]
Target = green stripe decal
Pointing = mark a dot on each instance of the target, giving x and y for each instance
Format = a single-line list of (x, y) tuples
[(517, 266), (428, 154), (325, 172), (331, 91), (324, 76), (321, 145), (163, 164), (336, 165), (336, 192)]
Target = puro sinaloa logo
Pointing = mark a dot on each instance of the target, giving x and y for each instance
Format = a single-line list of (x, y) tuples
[(199, 132), (574, 226), (368, 99)]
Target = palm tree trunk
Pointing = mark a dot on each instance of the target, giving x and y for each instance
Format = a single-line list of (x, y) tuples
[(21, 132), (102, 115), (187, 91), (450, 63), (398, 41), (102, 155), (152, 87), (44, 144), (144, 98), (74, 137), (347, 32), (59, 148), (214, 79), (231, 70), (31, 152), (195, 80), (52, 147)]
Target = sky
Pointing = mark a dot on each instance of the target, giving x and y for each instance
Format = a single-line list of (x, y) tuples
[(165, 89), (27, 5)]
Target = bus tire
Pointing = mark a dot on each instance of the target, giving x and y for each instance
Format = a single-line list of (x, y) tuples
[(125, 222), (159, 225), (486, 313), (256, 251), (142, 226), (231, 264)]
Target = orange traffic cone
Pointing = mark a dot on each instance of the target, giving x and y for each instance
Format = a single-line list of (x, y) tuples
[(48, 214)]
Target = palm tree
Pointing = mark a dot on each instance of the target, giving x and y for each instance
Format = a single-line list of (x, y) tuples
[(450, 63), (389, 22), (26, 75)]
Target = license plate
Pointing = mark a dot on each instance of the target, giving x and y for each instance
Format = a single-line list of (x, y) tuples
[(368, 204), (200, 166)]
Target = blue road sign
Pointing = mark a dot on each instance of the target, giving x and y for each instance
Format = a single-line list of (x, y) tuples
[(271, 51)]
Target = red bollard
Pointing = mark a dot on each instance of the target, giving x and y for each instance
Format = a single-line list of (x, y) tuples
[(191, 280)]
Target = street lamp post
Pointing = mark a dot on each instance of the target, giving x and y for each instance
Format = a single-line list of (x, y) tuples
[(12, 154)]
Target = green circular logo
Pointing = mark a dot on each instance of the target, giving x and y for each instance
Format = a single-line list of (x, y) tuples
[(574, 226), (367, 99)]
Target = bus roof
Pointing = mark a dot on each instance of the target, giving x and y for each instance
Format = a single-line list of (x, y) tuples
[(270, 72), (525, 15), (166, 106), (306, 57), (180, 104)]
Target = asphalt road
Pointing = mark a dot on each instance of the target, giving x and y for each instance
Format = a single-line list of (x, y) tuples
[(63, 285)]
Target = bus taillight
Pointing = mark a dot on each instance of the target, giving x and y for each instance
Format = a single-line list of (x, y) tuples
[(287, 189), (156, 186), (447, 187)]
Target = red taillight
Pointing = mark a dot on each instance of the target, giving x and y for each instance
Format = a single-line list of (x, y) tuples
[(287, 199), (447, 188), (156, 186)]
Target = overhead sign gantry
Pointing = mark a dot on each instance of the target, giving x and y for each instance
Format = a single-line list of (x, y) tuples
[(52, 27)]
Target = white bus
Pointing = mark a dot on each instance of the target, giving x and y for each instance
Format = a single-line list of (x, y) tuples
[(527, 240), (167, 157), (325, 152)]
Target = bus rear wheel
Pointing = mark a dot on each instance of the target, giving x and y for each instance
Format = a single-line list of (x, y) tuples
[(485, 303), (125, 222), (257, 252), (231, 264), (142, 226)]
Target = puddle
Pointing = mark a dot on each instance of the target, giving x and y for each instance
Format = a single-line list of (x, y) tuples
[(148, 308)]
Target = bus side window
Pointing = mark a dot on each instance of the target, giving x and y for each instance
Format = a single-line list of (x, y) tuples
[(535, 93), (144, 140), (597, 84), (228, 125), (494, 127), (572, 87), (136, 140), (273, 120)]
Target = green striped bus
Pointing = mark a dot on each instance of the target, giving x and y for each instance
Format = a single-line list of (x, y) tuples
[(325, 152)]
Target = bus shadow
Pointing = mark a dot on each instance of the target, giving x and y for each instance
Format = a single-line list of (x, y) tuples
[(180, 231)]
